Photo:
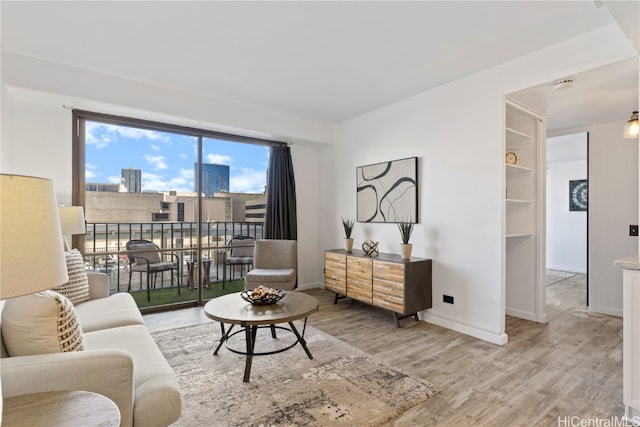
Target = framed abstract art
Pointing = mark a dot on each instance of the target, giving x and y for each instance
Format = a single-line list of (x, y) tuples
[(388, 191), (578, 195)]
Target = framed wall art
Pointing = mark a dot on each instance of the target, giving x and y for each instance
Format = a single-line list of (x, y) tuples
[(578, 195), (388, 191)]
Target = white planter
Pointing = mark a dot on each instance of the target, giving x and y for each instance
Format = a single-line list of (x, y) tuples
[(405, 250), (348, 244)]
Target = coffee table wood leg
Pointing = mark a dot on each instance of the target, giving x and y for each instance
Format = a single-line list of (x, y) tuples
[(250, 337), (301, 340)]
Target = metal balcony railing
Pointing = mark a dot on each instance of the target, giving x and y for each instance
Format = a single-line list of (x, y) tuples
[(105, 247)]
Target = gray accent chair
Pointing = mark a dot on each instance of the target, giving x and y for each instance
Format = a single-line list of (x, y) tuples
[(275, 265), (148, 259)]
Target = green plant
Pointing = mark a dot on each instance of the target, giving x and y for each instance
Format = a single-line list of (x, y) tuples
[(348, 224), (406, 228)]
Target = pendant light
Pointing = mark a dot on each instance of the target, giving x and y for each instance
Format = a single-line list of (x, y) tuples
[(632, 127)]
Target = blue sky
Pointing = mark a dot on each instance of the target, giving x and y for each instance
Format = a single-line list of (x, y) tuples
[(167, 159)]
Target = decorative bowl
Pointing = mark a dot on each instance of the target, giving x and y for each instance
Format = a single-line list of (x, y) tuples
[(265, 300)]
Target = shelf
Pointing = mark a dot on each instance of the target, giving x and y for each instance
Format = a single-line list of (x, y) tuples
[(519, 201), (518, 169), (518, 235), (519, 136)]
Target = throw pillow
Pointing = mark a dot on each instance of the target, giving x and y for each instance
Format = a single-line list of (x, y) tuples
[(77, 288), (41, 323)]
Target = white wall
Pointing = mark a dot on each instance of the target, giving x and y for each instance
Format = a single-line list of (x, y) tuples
[(456, 132), (613, 206), (566, 230)]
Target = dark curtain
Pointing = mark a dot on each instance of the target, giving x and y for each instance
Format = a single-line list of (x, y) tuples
[(280, 220)]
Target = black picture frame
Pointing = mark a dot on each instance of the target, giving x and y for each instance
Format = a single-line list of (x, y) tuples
[(578, 195), (387, 192)]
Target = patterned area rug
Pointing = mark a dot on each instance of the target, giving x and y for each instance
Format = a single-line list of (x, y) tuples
[(341, 386), (554, 276)]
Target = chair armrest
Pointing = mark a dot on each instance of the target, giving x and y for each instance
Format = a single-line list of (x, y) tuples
[(107, 372), (98, 285)]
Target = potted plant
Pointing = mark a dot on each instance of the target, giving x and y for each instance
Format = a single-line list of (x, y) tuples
[(347, 224), (406, 228)]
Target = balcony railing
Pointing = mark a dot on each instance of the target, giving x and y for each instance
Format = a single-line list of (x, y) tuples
[(105, 248)]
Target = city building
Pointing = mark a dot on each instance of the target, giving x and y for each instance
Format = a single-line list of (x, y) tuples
[(102, 187), (131, 180), (215, 178)]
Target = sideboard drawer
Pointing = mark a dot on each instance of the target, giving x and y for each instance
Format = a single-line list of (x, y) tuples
[(388, 285), (335, 272), (359, 274)]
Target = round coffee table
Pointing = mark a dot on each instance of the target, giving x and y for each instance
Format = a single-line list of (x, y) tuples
[(232, 309)]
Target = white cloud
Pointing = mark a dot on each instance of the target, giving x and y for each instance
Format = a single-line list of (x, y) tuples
[(183, 156), (135, 133), (94, 135), (158, 162), (160, 183), (218, 159), (155, 147), (248, 181), (114, 179), (186, 174), (89, 169), (101, 135)]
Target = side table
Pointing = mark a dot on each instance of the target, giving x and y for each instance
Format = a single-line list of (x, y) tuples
[(205, 274), (60, 409)]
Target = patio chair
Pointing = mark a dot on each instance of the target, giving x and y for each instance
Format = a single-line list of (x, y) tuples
[(241, 255), (148, 259)]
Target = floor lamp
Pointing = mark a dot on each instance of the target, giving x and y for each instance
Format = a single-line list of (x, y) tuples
[(30, 236)]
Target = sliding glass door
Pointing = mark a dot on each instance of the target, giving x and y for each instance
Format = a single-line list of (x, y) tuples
[(182, 193)]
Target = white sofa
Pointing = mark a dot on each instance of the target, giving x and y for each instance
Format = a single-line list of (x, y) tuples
[(120, 360)]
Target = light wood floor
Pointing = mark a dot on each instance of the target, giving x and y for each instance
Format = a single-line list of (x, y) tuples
[(570, 367)]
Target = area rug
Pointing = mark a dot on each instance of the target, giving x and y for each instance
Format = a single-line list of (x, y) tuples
[(341, 386), (555, 276)]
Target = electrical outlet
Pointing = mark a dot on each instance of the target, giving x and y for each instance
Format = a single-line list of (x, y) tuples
[(447, 298), (633, 230)]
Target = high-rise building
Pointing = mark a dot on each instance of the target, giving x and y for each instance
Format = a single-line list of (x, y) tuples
[(132, 180), (215, 179)]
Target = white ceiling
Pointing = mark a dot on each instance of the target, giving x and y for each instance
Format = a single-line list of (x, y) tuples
[(601, 95), (324, 60)]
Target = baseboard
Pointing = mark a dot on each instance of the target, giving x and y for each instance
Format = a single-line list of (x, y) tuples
[(566, 269), (610, 311), (312, 285), (525, 315), (495, 338)]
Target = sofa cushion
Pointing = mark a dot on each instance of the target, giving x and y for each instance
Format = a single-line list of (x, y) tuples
[(77, 288), (41, 323), (158, 400), (119, 309)]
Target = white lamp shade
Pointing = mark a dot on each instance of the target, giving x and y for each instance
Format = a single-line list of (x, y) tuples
[(31, 251), (72, 219)]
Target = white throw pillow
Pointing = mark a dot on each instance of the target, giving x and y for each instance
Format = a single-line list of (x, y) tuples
[(77, 288), (41, 323)]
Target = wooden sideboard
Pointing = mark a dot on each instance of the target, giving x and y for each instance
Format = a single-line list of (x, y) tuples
[(386, 280)]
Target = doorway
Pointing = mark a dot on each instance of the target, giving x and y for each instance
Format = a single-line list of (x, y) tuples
[(567, 210)]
